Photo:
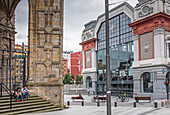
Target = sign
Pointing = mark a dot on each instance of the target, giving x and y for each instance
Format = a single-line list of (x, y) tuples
[(122, 82), (163, 71)]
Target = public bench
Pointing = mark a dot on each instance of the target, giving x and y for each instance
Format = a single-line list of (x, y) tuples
[(79, 98), (142, 98), (98, 98)]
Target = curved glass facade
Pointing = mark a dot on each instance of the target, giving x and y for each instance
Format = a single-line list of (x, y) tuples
[(121, 54), (119, 31)]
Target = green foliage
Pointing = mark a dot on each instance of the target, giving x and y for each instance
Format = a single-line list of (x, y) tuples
[(79, 79), (68, 70), (68, 79)]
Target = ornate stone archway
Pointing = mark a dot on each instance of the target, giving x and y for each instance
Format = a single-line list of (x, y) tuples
[(45, 42)]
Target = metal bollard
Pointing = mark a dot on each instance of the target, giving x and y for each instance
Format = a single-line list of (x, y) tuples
[(134, 104), (82, 104), (115, 104), (98, 104), (68, 103), (155, 105)]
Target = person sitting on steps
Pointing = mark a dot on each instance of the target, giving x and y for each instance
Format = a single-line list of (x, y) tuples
[(25, 92), (17, 94)]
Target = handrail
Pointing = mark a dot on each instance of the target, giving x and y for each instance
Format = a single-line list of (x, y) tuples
[(8, 91), (6, 88)]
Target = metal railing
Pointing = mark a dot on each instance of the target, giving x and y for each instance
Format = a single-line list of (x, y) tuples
[(3, 86)]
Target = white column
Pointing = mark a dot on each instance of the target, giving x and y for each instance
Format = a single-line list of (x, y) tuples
[(93, 58), (83, 61), (136, 47), (159, 43)]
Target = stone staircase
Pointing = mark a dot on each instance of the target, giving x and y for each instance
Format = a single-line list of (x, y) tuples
[(33, 105)]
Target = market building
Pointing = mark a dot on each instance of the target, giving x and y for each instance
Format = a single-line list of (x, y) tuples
[(151, 31), (121, 52), (89, 56)]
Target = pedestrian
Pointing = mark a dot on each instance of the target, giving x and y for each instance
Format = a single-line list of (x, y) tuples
[(25, 92), (88, 90), (17, 94)]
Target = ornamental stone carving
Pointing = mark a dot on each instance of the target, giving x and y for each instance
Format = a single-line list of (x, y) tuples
[(135, 37), (159, 30), (146, 46), (88, 35), (167, 7), (146, 10)]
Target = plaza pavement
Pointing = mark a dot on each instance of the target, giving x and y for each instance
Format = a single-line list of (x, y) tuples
[(124, 108)]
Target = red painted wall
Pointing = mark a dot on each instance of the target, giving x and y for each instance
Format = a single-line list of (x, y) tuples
[(148, 24), (76, 64), (86, 46)]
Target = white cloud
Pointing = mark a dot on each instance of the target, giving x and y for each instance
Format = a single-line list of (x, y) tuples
[(76, 14)]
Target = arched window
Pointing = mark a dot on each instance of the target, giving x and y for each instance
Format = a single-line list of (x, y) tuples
[(88, 82), (147, 82)]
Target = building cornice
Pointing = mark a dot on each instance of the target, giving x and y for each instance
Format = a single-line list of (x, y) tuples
[(88, 41), (161, 14)]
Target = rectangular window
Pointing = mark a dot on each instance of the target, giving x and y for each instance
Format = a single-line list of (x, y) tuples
[(88, 59)]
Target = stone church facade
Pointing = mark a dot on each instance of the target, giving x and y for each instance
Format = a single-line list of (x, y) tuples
[(45, 36)]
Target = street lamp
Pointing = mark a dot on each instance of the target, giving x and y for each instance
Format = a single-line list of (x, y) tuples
[(108, 81)]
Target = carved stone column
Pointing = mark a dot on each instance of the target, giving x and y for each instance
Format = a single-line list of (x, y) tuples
[(45, 46)]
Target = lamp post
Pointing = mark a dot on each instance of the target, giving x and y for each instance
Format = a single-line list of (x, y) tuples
[(108, 81)]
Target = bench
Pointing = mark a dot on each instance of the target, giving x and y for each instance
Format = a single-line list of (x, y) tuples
[(99, 98), (142, 98), (73, 98)]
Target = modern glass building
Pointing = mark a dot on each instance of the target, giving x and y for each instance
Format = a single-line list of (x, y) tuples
[(121, 51)]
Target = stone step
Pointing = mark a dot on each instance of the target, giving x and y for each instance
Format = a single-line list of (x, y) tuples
[(6, 111), (8, 97), (34, 110), (23, 104), (20, 103), (32, 105), (14, 100)]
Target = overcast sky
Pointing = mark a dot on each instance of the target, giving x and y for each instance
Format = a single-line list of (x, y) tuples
[(76, 14)]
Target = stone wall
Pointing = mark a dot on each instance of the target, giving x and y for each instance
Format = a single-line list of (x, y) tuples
[(45, 49)]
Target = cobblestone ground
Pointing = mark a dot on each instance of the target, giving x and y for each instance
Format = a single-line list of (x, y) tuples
[(124, 108)]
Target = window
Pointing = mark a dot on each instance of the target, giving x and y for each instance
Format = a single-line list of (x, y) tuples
[(147, 82), (88, 59), (119, 31)]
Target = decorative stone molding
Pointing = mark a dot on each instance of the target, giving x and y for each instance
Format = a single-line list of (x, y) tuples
[(146, 46), (135, 37), (87, 35), (159, 30), (167, 7), (146, 10)]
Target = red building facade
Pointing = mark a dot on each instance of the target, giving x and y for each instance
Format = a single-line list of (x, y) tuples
[(65, 66), (76, 64)]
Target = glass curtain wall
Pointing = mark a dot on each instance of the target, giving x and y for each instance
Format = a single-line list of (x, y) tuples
[(121, 50)]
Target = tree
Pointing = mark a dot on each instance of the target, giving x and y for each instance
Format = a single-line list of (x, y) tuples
[(68, 79), (79, 79)]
